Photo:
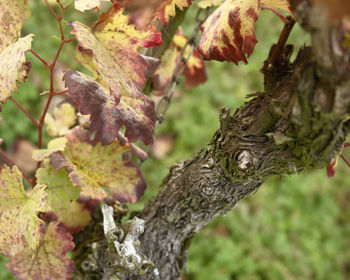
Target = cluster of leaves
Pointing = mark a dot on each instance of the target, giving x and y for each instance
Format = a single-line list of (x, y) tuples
[(89, 159)]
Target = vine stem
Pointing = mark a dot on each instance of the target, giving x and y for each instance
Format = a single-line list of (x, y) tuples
[(278, 49), (10, 162), (51, 67), (34, 121), (40, 58)]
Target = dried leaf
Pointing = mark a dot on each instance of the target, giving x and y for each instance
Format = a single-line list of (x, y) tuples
[(95, 166), (228, 34), (63, 118), (20, 225), (48, 260), (13, 67), (13, 14)]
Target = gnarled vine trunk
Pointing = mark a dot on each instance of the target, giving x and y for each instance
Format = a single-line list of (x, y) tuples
[(299, 122)]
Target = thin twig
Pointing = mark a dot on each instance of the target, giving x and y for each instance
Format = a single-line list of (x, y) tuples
[(345, 160), (34, 121), (10, 162), (60, 92), (42, 60)]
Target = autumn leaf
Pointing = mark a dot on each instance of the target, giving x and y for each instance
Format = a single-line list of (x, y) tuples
[(93, 166), (48, 260), (282, 5), (144, 11), (164, 73), (195, 71), (55, 145), (13, 66), (63, 118), (20, 225), (113, 97), (228, 34)]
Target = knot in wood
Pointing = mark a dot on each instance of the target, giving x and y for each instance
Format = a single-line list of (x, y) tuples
[(244, 160)]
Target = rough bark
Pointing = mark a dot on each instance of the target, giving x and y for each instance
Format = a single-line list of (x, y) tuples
[(299, 122)]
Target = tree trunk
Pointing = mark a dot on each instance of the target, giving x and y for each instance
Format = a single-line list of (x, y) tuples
[(299, 122)]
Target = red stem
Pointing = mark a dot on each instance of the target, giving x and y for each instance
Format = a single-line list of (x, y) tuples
[(282, 17), (61, 92), (38, 57), (10, 162), (345, 160), (34, 121)]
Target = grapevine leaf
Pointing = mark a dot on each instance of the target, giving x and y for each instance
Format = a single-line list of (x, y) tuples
[(282, 5), (63, 118), (20, 225), (119, 71), (84, 5), (95, 166), (228, 34), (164, 73), (13, 14), (168, 9), (76, 219), (107, 116), (195, 71), (48, 260), (53, 146), (144, 11), (203, 4), (13, 66)]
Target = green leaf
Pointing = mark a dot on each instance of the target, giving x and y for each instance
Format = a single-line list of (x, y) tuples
[(93, 166)]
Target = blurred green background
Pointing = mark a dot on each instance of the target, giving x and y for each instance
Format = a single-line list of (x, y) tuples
[(291, 228)]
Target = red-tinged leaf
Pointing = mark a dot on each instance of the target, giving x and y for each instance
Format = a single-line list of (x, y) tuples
[(164, 73), (93, 166), (168, 9), (48, 261), (195, 71), (119, 71), (228, 34), (20, 225), (107, 114), (114, 28)]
